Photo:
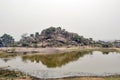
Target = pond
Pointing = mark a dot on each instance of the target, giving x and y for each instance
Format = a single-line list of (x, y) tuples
[(93, 63)]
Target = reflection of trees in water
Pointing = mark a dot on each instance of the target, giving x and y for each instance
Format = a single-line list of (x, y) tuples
[(7, 56), (105, 53), (6, 59), (55, 60)]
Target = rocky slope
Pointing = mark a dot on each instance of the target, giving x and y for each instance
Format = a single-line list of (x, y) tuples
[(55, 37)]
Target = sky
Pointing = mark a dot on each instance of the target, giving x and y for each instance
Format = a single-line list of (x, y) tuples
[(99, 19)]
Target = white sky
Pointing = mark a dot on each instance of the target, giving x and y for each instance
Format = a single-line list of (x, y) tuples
[(99, 19)]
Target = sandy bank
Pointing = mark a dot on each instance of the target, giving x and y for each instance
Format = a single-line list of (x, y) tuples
[(34, 50), (24, 50)]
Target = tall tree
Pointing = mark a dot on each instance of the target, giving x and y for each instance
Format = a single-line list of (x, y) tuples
[(1, 43), (7, 40), (37, 37)]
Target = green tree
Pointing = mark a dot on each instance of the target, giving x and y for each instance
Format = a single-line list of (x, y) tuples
[(1, 43), (25, 40), (48, 32), (37, 37), (7, 40), (78, 38), (32, 35), (37, 34)]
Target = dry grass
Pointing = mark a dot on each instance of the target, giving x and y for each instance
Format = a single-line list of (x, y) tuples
[(92, 78), (83, 79)]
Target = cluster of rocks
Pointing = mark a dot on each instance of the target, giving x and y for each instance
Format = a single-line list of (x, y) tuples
[(55, 37)]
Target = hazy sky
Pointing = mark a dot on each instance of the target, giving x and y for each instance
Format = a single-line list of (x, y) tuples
[(99, 19)]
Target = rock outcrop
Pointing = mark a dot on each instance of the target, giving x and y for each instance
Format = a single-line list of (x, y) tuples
[(55, 37)]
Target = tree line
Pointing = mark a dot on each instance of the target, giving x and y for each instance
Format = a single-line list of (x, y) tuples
[(7, 40), (52, 37)]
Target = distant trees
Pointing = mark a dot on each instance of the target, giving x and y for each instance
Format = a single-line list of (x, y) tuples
[(103, 44), (37, 36), (24, 41), (83, 41), (6, 40), (78, 39), (29, 41), (48, 32), (1, 43), (52, 37)]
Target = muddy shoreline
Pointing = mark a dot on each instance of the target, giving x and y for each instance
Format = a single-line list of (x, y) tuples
[(17, 75), (34, 50), (24, 50)]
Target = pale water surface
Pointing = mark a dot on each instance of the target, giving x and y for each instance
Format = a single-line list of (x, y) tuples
[(65, 65)]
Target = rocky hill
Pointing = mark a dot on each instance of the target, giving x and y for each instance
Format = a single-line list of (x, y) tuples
[(55, 37)]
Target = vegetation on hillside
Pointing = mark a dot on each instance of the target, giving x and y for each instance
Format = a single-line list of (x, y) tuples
[(53, 37)]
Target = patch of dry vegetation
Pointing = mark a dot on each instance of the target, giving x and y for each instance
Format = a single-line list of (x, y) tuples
[(6, 55)]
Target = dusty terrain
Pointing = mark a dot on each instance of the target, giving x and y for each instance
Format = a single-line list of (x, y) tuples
[(25, 50)]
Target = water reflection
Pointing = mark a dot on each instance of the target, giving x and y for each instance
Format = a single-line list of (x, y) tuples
[(55, 60), (66, 64), (6, 59)]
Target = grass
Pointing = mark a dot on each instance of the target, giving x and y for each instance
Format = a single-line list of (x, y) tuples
[(112, 78), (104, 50), (6, 74), (92, 78), (6, 55)]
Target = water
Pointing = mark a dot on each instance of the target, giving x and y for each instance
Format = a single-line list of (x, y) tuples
[(65, 65)]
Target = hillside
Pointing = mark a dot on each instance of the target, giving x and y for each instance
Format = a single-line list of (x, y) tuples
[(54, 37)]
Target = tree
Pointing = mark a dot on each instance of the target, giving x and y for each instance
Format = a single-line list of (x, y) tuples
[(1, 43), (78, 38), (37, 34), (7, 40), (50, 30), (37, 37), (25, 40), (32, 35)]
